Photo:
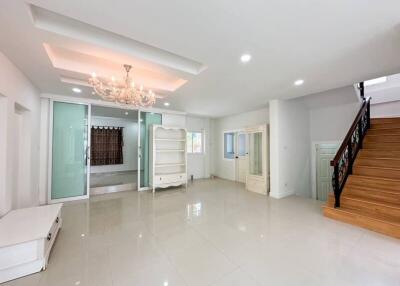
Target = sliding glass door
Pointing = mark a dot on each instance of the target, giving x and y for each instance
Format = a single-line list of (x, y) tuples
[(146, 120), (69, 139)]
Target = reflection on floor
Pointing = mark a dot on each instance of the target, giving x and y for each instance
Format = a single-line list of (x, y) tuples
[(216, 233), (103, 183)]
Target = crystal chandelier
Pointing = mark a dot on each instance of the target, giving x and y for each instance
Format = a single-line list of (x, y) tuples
[(124, 92)]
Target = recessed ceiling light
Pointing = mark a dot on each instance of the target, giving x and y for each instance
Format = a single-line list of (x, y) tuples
[(126, 112), (299, 82), (77, 90), (166, 104), (245, 58)]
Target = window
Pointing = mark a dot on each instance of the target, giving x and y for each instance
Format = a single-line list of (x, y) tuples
[(229, 145), (195, 142)]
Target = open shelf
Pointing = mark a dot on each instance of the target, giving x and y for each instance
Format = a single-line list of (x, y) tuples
[(167, 156), (170, 150), (171, 139), (169, 165)]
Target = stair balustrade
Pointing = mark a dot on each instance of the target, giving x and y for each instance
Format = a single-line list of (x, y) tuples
[(343, 161)]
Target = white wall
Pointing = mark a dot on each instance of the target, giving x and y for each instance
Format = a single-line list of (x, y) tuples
[(332, 113), (225, 168), (289, 148), (176, 120), (20, 116), (130, 135), (389, 109), (199, 164)]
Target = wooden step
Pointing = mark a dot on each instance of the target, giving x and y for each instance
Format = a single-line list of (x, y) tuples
[(383, 131), (392, 146), (378, 162), (362, 219), (385, 120), (373, 194), (386, 210), (390, 173), (376, 153), (385, 125), (382, 138), (383, 184)]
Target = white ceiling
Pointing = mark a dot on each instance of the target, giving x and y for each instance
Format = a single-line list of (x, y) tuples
[(329, 44)]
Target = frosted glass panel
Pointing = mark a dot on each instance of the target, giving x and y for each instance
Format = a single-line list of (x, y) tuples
[(70, 141), (255, 153), (242, 144), (146, 120), (229, 145)]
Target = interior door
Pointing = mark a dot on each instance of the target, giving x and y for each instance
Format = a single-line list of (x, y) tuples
[(241, 157), (324, 154), (256, 179), (69, 151)]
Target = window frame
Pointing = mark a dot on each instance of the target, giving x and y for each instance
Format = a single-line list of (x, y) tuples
[(202, 152)]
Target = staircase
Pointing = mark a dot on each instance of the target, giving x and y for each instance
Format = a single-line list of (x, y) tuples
[(371, 194)]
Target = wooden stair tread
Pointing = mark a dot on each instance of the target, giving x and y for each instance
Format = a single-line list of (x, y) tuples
[(364, 220), (371, 189), (385, 120), (367, 200), (395, 222)]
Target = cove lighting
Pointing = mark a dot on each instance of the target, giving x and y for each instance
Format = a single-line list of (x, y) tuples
[(375, 81), (77, 90), (298, 82), (245, 58)]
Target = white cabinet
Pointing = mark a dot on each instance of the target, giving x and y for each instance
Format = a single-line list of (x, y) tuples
[(26, 238), (168, 159)]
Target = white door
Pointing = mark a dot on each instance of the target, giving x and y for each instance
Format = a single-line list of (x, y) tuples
[(256, 179), (241, 157), (324, 155)]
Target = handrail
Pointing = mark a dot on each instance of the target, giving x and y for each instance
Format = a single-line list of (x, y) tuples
[(343, 161)]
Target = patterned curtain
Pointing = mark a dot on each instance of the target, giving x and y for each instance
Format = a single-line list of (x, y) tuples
[(106, 146)]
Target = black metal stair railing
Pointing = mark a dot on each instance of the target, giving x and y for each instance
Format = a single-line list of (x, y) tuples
[(344, 159)]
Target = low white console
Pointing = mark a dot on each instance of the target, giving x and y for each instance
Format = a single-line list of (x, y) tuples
[(26, 238)]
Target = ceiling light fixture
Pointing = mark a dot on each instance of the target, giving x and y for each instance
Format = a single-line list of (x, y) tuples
[(245, 58), (126, 112), (77, 90), (125, 92), (298, 82), (166, 104)]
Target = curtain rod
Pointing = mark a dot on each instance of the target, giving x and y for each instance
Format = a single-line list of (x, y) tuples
[(109, 127)]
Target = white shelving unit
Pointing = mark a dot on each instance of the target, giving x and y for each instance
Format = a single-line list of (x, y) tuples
[(168, 160)]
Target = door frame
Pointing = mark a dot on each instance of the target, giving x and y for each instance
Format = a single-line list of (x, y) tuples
[(237, 157), (50, 153), (314, 145), (263, 128)]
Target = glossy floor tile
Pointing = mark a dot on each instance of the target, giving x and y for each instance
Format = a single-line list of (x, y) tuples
[(215, 233)]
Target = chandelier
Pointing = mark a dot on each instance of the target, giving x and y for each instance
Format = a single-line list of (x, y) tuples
[(125, 92)]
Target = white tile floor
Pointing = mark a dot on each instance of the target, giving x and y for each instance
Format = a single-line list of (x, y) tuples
[(216, 233)]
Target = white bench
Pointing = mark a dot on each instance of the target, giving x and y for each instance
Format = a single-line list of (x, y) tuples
[(26, 238)]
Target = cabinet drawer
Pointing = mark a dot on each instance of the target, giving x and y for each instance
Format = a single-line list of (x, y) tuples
[(52, 234), (171, 178)]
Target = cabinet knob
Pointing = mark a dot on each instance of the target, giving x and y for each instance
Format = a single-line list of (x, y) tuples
[(49, 237), (57, 220)]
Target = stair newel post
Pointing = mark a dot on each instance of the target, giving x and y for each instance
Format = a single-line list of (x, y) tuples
[(336, 190)]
